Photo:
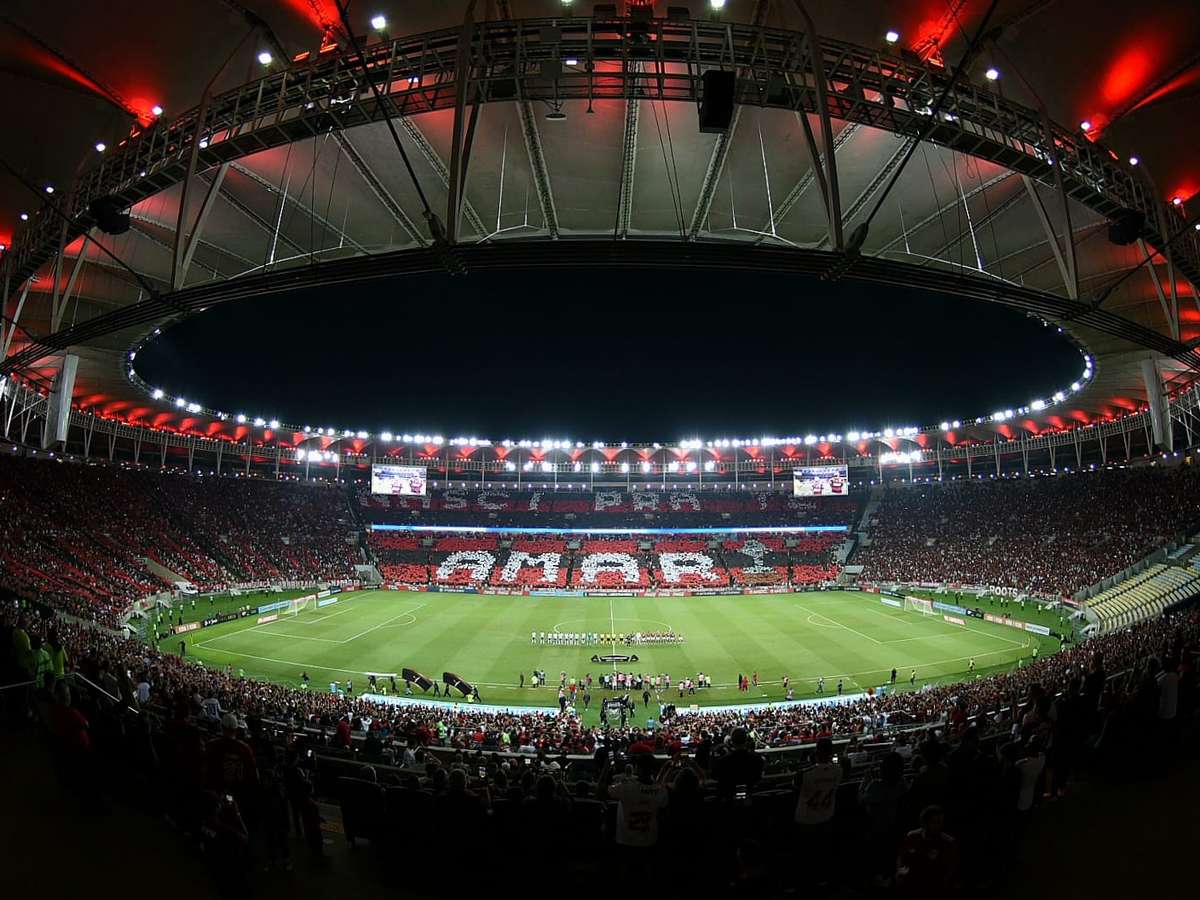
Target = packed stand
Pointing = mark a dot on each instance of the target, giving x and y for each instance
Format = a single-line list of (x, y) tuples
[(609, 563), (500, 508), (926, 812), (81, 535), (1047, 535)]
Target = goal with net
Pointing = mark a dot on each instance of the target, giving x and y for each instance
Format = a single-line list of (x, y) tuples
[(295, 607), (917, 604)]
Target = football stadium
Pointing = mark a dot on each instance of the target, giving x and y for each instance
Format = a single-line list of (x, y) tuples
[(730, 447)]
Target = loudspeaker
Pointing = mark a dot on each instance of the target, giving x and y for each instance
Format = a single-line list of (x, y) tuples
[(109, 214), (716, 103), (1126, 227), (58, 405)]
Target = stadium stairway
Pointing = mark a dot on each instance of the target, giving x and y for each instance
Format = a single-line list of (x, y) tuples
[(156, 568)]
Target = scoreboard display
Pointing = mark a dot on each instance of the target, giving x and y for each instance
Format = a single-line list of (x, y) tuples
[(820, 481), (398, 481)]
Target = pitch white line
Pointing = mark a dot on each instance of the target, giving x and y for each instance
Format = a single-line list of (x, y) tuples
[(612, 631), (382, 624), (865, 637)]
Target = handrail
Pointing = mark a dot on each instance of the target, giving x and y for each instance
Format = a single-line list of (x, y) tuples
[(81, 677)]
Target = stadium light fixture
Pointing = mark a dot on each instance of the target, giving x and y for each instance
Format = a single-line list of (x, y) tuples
[(945, 426), (1085, 125), (379, 21), (1075, 385), (24, 217), (241, 419), (274, 423), (260, 422), (1037, 405), (49, 189), (193, 407), (386, 437), (180, 403), (716, 5), (157, 393), (571, 61), (101, 146), (892, 37), (1177, 200), (1133, 160), (710, 466), (624, 467), (992, 73), (595, 467), (156, 110), (264, 57)]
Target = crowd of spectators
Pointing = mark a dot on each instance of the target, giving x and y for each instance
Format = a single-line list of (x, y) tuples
[(240, 764), (573, 508), (612, 563), (94, 539), (1048, 535)]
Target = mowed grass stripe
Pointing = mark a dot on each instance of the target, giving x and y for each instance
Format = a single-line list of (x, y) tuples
[(485, 639)]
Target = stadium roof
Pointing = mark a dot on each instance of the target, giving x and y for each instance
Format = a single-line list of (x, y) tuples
[(298, 180)]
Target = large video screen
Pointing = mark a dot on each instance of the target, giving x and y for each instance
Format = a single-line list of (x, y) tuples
[(398, 481), (820, 481)]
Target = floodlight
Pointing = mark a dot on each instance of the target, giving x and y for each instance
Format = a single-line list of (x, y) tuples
[(101, 146), (379, 22), (892, 36), (992, 74), (265, 57), (156, 110)]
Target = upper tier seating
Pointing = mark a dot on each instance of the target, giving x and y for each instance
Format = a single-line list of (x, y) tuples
[(1048, 535)]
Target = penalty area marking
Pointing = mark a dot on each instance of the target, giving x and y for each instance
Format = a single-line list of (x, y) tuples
[(832, 624)]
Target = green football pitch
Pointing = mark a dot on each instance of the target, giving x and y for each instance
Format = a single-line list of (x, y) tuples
[(486, 640)]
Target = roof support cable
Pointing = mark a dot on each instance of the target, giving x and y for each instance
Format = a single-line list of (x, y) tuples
[(54, 207), (437, 231), (855, 242)]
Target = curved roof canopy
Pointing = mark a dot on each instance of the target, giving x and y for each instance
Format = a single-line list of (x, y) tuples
[(551, 133)]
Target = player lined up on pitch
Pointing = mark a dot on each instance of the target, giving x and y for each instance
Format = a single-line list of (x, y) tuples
[(590, 638)]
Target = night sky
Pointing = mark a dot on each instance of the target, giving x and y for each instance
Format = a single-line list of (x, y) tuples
[(610, 356)]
